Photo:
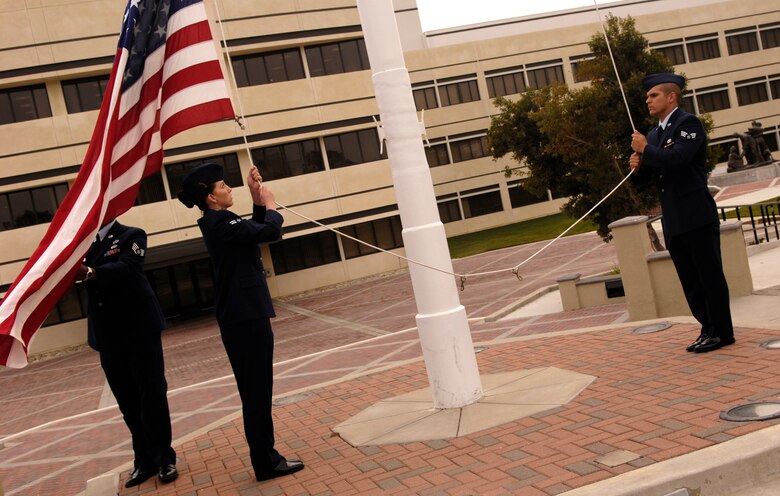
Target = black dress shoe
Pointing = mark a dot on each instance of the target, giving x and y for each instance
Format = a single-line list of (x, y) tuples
[(168, 473), (138, 476), (285, 467), (696, 343), (713, 343)]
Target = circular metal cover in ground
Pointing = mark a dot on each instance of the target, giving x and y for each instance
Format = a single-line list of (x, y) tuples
[(772, 344), (646, 329), (765, 410)]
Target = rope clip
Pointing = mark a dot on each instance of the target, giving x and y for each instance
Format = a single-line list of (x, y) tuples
[(462, 283), (516, 272)]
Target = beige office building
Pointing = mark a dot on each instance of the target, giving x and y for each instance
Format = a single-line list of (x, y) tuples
[(304, 87)]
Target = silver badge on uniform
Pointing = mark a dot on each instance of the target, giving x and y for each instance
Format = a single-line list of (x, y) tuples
[(137, 250)]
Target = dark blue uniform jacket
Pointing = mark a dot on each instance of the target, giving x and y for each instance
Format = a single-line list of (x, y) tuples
[(121, 306), (676, 161), (241, 291)]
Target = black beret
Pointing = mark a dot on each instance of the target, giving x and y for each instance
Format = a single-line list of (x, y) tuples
[(195, 184), (662, 77)]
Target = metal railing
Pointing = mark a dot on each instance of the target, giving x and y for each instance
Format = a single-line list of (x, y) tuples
[(762, 218)]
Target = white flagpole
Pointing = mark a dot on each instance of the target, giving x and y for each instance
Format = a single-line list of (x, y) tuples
[(441, 319)]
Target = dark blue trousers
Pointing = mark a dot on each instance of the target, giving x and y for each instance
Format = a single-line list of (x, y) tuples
[(136, 376), (697, 259), (250, 349)]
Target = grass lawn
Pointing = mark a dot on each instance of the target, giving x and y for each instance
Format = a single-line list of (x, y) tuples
[(540, 229)]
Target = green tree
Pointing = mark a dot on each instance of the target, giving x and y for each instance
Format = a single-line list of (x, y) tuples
[(576, 142)]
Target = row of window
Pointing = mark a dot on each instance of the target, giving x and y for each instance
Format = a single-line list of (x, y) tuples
[(288, 65), (37, 206), (85, 94), (748, 92), (31, 102), (30, 206), (704, 47)]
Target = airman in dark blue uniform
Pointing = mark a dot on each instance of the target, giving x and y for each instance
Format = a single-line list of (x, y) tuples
[(124, 322), (243, 303), (673, 156)]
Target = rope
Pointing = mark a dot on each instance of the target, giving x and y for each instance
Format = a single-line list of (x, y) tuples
[(614, 66), (240, 119)]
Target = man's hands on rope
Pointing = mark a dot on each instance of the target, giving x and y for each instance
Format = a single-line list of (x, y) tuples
[(638, 144), (261, 195)]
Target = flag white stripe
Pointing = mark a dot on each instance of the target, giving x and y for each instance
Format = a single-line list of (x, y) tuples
[(187, 57), (187, 16), (192, 95)]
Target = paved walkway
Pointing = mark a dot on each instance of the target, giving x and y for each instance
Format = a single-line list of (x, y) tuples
[(342, 350)]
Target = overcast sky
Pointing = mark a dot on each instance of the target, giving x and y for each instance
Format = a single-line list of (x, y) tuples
[(438, 14)]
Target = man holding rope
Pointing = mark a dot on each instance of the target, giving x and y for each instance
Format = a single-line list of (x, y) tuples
[(673, 156)]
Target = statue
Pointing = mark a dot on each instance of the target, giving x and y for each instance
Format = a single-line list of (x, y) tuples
[(735, 160), (754, 148)]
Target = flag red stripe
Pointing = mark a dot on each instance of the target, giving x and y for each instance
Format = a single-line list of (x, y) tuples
[(194, 116), (190, 35)]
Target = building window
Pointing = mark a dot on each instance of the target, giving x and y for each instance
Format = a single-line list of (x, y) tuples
[(575, 67), (425, 95), (770, 137), (82, 95), (469, 148), (337, 58), (673, 50), (71, 306), (304, 252), (289, 159), (449, 209), (712, 99), (184, 289), (175, 172), (753, 91), (437, 154), (384, 233), (460, 91), (481, 201), (544, 74), (770, 35), (30, 206), (353, 148), (520, 197), (151, 190), (742, 42), (774, 86), (703, 49), (504, 82), (24, 104), (268, 67), (688, 103)]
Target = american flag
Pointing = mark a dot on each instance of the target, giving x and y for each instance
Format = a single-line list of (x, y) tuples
[(166, 78)]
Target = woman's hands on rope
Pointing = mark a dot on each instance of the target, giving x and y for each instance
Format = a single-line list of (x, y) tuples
[(261, 195)]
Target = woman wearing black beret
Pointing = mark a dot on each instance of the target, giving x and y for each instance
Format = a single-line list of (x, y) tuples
[(242, 301)]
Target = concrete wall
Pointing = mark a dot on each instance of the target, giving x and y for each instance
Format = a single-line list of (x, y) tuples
[(650, 281)]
